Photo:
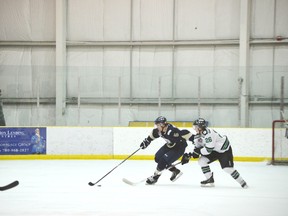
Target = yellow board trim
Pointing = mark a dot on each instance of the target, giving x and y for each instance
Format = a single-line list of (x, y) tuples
[(107, 157), (151, 124)]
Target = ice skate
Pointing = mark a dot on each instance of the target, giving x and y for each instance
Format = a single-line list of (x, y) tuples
[(176, 173), (244, 185), (208, 183), (152, 179)]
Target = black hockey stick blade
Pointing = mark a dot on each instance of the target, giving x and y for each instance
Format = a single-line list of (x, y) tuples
[(91, 184), (9, 186)]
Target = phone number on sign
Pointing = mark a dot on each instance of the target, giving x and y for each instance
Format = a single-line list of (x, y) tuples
[(14, 150)]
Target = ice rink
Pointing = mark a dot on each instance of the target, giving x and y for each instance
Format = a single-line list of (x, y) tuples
[(60, 187)]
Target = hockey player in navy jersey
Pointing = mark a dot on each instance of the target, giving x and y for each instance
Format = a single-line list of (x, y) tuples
[(209, 147), (171, 151)]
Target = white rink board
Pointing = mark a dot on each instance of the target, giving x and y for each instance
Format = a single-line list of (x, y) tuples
[(246, 142), (79, 140)]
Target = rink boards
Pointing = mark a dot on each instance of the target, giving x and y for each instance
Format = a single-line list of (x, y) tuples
[(118, 142)]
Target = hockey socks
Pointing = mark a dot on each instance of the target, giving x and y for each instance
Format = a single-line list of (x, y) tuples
[(209, 182), (235, 175)]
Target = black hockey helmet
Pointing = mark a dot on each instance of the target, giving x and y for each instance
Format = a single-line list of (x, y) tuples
[(161, 120), (201, 123)]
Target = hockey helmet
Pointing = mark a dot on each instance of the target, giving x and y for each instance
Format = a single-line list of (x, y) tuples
[(161, 120), (200, 123)]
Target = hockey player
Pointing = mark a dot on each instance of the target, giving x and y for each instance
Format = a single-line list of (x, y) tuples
[(211, 146), (171, 151), (38, 143)]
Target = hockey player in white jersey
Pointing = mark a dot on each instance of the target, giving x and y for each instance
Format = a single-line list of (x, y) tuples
[(209, 147)]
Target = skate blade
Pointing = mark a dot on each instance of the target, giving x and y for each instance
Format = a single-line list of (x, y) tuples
[(245, 186), (146, 183), (177, 177), (208, 185)]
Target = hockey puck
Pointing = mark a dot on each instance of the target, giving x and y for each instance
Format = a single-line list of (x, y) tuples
[(99, 185)]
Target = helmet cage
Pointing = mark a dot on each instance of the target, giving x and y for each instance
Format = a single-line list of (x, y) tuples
[(161, 120), (200, 123)]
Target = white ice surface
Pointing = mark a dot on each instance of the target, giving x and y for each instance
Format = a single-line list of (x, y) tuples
[(60, 187)]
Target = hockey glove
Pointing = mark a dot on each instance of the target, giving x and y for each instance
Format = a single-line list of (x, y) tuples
[(196, 153), (192, 138), (145, 143), (185, 158)]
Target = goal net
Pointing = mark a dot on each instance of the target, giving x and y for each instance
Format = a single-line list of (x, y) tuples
[(280, 142)]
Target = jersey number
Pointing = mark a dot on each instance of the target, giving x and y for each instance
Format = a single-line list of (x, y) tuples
[(209, 139)]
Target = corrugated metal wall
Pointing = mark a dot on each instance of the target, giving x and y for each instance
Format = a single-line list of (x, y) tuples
[(130, 60)]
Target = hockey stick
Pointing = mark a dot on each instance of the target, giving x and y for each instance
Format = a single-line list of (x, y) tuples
[(133, 183), (9, 186), (139, 182), (92, 184), (285, 124), (283, 116)]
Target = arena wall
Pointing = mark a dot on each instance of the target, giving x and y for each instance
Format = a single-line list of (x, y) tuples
[(119, 142)]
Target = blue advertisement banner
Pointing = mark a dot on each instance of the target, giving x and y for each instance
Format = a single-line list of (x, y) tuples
[(22, 141)]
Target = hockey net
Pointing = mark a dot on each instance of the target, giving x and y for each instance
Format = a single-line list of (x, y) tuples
[(280, 142)]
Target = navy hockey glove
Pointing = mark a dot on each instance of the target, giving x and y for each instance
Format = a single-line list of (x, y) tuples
[(185, 158), (196, 153), (192, 138), (145, 143)]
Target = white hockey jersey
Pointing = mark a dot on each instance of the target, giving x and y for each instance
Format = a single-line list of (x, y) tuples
[(210, 140)]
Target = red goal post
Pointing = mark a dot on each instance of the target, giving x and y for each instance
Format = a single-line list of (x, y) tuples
[(279, 142)]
